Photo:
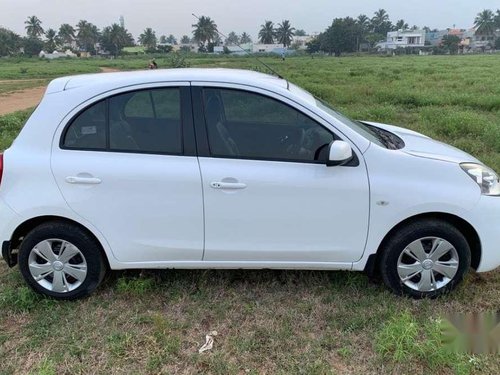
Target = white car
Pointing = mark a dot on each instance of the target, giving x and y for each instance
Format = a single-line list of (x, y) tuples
[(215, 168)]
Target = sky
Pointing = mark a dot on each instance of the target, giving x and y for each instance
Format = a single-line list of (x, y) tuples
[(174, 17)]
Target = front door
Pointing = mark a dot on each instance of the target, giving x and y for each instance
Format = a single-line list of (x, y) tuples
[(269, 197)]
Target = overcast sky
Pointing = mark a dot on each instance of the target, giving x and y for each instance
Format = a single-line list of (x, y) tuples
[(174, 17)]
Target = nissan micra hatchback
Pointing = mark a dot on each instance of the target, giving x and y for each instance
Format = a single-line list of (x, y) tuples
[(204, 168)]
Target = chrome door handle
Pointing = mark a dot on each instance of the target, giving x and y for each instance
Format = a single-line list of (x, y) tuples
[(228, 185), (83, 180)]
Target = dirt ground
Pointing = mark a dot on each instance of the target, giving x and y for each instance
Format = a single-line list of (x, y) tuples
[(28, 98), (20, 100)]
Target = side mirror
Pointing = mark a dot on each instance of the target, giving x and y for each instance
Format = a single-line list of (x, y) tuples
[(339, 153)]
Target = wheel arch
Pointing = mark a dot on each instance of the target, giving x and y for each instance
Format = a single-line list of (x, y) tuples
[(462, 225), (25, 227)]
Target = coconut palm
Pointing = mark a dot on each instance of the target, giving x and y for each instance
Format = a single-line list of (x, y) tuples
[(380, 22), (115, 37), (205, 30), (266, 33), (363, 21), (87, 36), (171, 39), (185, 39), (66, 34), (33, 27), (380, 16), (401, 25), (285, 33), (148, 39), (497, 18), (485, 23), (232, 39), (50, 42), (245, 38)]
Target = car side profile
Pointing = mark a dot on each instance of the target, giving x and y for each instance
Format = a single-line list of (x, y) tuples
[(222, 168)]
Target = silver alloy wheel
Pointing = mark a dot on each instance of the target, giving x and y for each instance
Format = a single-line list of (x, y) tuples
[(57, 265), (428, 264)]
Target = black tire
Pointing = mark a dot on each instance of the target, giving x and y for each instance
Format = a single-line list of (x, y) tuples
[(398, 242), (88, 246)]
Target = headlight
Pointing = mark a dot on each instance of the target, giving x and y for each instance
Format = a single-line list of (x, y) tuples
[(485, 177)]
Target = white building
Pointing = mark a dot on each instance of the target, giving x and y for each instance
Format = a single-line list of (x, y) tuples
[(56, 54), (235, 50), (403, 39)]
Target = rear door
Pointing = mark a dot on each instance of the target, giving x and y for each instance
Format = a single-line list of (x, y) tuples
[(127, 164), (269, 196)]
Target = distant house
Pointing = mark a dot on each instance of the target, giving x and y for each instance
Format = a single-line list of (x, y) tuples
[(235, 50), (301, 41), (402, 39), (269, 48), (435, 38), (469, 40)]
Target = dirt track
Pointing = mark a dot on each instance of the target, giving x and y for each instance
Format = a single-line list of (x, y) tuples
[(28, 98), (20, 100)]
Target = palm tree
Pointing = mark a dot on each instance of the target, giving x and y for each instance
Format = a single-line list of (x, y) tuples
[(232, 39), (401, 25), (115, 37), (66, 34), (380, 16), (50, 43), (205, 30), (33, 27), (185, 39), (285, 33), (266, 33), (148, 39), (363, 21), (497, 18), (87, 36), (380, 22), (485, 23), (171, 39), (245, 38)]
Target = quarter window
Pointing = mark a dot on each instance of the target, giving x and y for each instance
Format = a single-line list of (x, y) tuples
[(88, 130), (242, 124)]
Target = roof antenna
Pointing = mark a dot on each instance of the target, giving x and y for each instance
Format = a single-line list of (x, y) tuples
[(249, 54)]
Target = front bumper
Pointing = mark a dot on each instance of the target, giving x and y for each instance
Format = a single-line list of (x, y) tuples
[(485, 218)]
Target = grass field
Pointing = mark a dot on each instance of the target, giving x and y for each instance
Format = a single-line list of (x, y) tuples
[(270, 322)]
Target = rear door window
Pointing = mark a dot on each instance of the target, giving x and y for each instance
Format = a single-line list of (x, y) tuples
[(147, 121)]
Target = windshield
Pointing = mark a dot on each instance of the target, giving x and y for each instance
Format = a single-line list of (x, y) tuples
[(357, 126)]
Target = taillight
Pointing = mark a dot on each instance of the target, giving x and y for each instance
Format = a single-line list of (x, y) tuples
[(1, 167)]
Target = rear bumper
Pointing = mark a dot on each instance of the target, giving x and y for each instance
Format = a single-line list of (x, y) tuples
[(9, 221), (8, 256), (485, 218)]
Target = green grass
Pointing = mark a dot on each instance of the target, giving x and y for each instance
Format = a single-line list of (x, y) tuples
[(282, 322)]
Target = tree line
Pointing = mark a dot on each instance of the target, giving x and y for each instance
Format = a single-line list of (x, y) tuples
[(343, 35), (348, 34)]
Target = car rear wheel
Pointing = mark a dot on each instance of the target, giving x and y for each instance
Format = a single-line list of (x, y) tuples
[(61, 260), (426, 258)]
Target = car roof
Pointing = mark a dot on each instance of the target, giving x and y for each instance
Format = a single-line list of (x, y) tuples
[(109, 81)]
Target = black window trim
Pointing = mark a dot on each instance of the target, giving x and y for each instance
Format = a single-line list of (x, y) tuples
[(188, 145), (203, 143)]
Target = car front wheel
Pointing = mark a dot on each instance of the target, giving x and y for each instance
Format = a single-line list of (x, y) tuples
[(425, 259), (61, 260)]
